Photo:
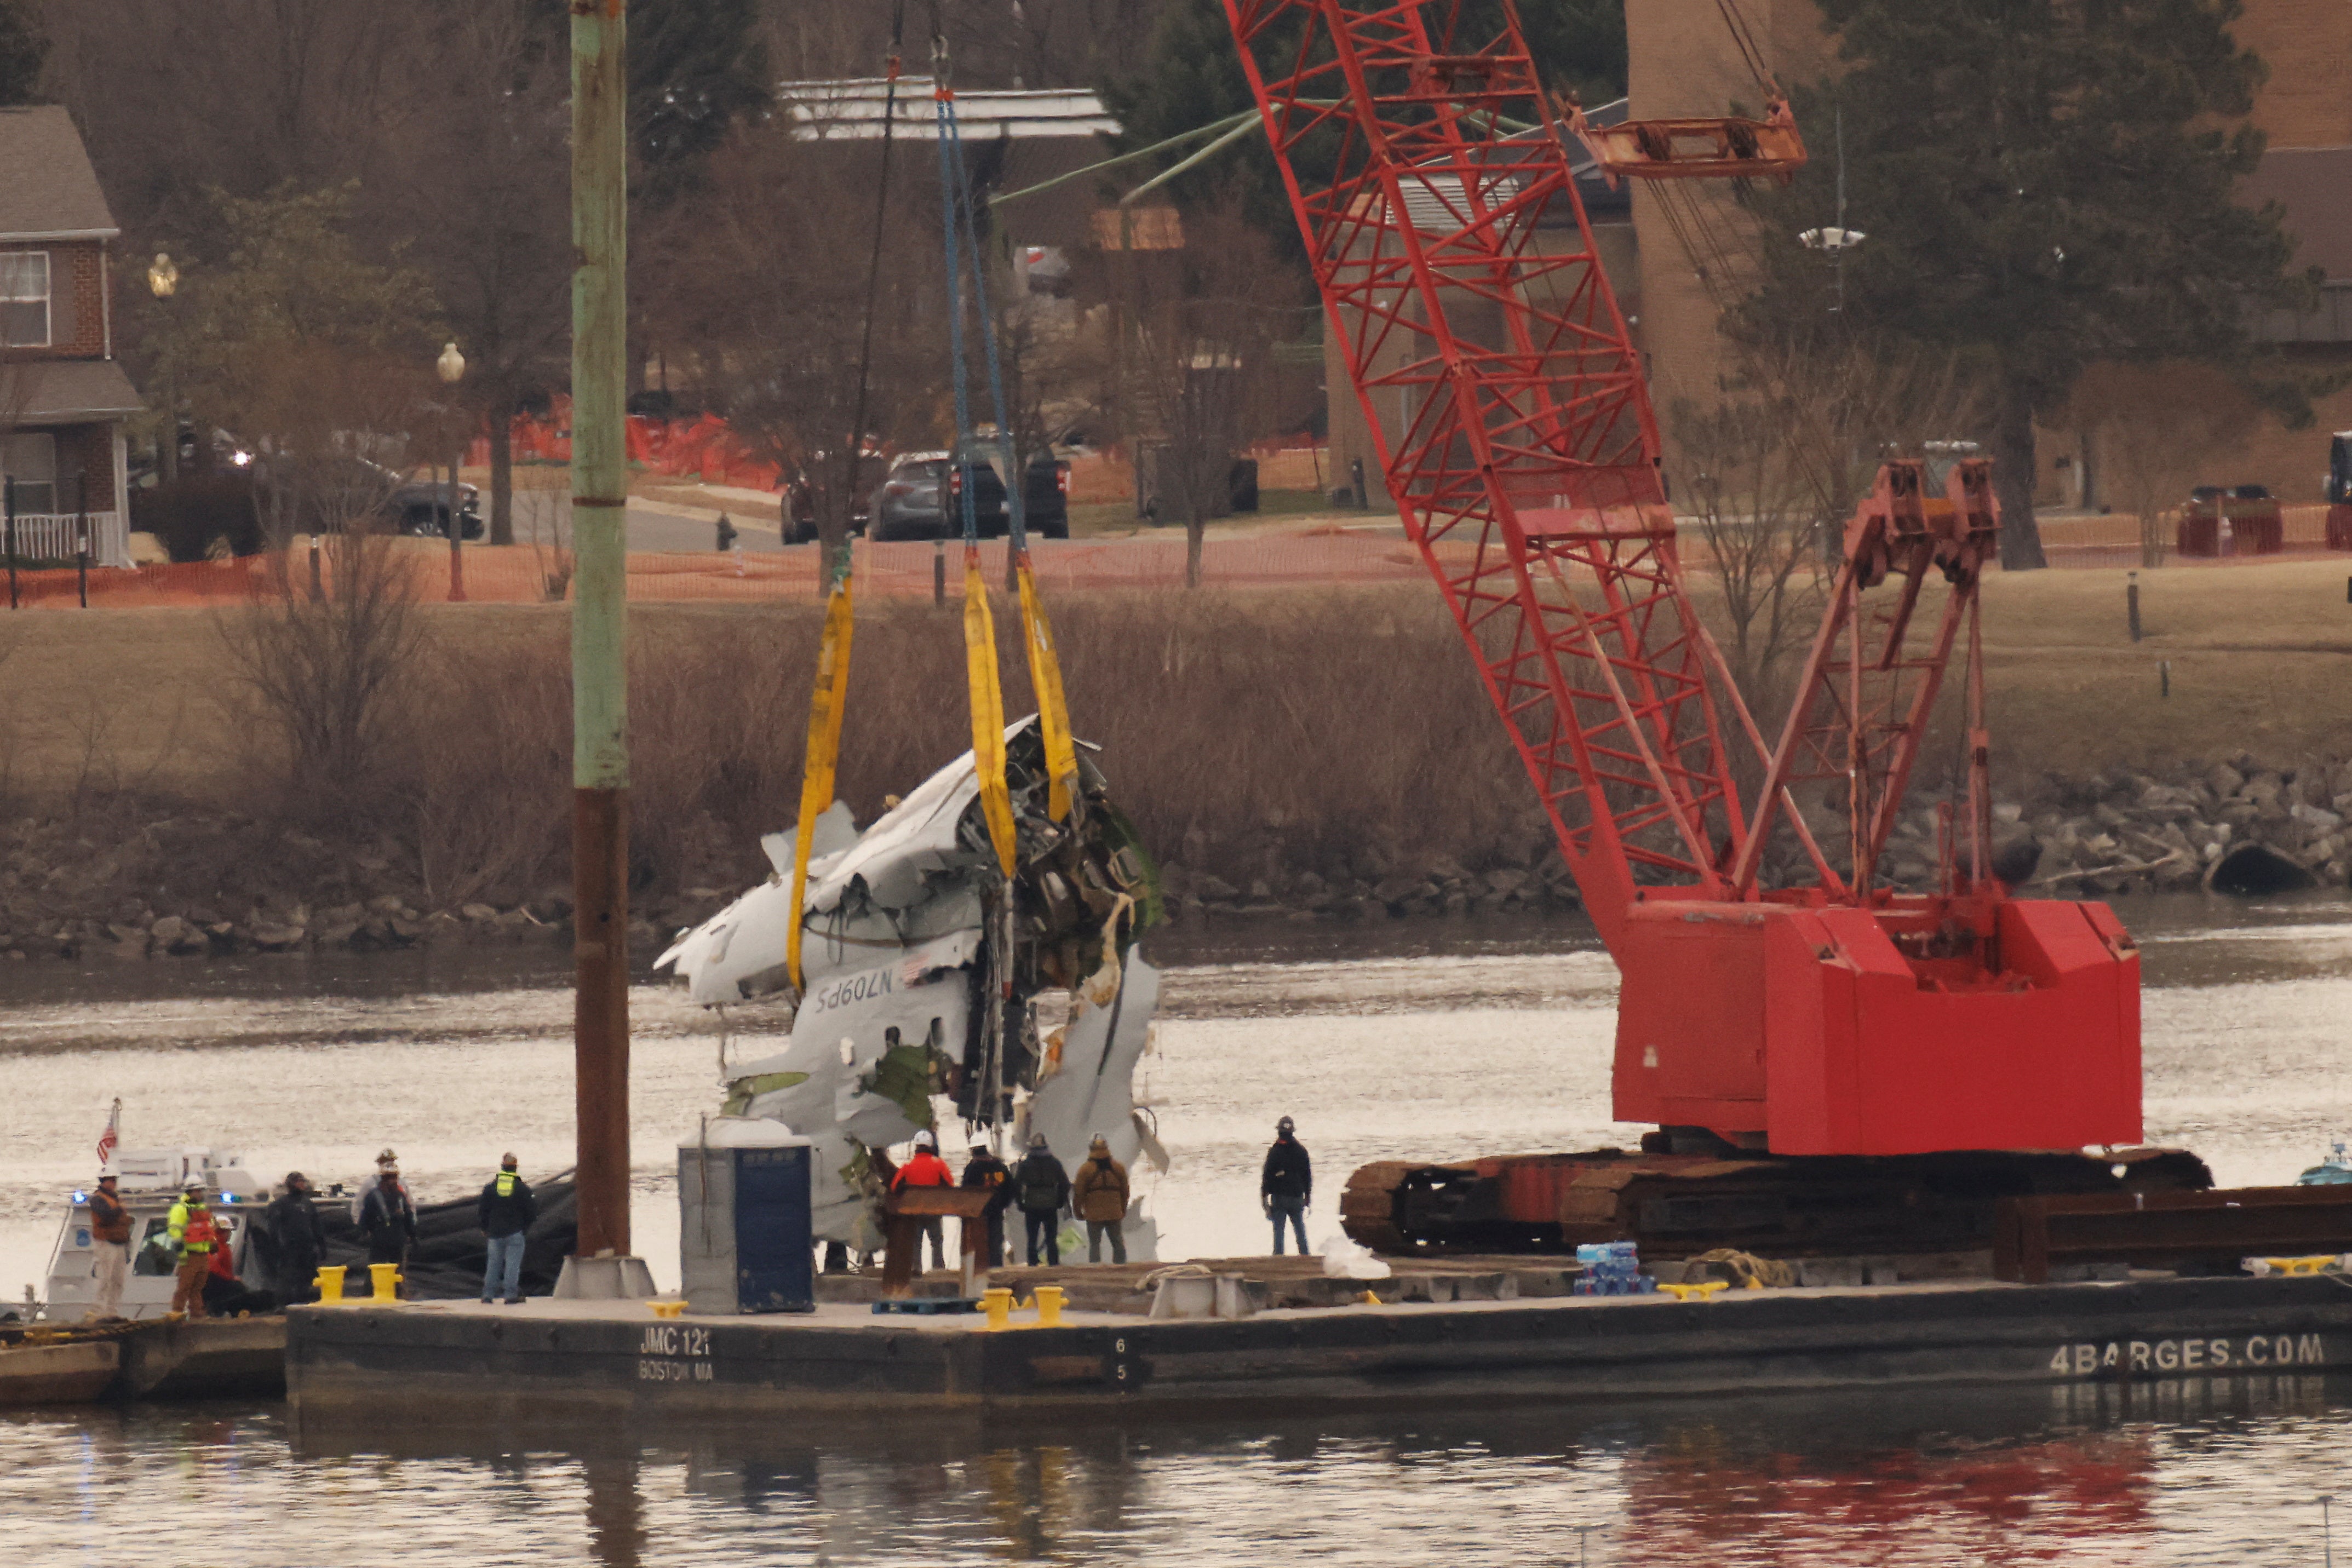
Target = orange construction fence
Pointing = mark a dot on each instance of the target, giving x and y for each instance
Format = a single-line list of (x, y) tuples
[(707, 450)]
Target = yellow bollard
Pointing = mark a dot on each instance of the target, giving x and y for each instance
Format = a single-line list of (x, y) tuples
[(997, 1303), (1705, 1291), (330, 1285), (387, 1280), (668, 1309), (1049, 1306)]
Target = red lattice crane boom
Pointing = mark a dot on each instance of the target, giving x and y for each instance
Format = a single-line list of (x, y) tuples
[(1506, 398)]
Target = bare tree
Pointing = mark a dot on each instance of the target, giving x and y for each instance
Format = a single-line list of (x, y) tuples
[(1191, 329), (324, 678), (2155, 428), (176, 101), (1771, 471), (481, 188), (758, 297), (1759, 517)]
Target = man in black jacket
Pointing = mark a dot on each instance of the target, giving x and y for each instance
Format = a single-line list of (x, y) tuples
[(1042, 1187), (298, 1241), (985, 1171), (1287, 1186), (506, 1210), (389, 1219)]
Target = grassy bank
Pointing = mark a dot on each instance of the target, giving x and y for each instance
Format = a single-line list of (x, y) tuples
[(1252, 735)]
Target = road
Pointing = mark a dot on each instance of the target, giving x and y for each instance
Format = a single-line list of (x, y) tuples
[(546, 516)]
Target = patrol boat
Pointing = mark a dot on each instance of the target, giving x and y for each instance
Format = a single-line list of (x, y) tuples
[(149, 1181)]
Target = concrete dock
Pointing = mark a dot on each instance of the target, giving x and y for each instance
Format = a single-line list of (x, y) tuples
[(436, 1360)]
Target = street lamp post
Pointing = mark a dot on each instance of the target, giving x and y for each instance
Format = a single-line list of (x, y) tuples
[(163, 281), (451, 367)]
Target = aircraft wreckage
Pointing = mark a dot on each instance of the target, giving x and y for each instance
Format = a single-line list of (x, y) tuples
[(924, 969)]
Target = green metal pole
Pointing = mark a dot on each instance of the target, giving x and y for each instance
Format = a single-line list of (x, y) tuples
[(600, 718)]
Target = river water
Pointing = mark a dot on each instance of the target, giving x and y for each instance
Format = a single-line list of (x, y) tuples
[(1416, 1041)]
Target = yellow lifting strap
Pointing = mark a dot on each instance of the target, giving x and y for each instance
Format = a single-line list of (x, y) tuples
[(987, 710), (825, 704), (1053, 713)]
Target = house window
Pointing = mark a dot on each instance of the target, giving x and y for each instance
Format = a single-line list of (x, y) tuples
[(31, 460), (25, 299)]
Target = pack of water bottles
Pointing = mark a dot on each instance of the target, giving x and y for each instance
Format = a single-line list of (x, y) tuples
[(1613, 1268)]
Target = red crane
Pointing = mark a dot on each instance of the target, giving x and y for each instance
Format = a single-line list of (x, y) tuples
[(1459, 276)]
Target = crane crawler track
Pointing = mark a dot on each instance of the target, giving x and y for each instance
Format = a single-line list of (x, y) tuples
[(1677, 1206)]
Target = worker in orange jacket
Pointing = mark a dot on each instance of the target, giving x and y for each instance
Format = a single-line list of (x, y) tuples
[(195, 1233), (925, 1168)]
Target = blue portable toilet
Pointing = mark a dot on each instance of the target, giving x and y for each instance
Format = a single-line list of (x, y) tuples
[(743, 1209)]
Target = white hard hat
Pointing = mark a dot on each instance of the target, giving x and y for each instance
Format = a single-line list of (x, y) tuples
[(923, 1139)]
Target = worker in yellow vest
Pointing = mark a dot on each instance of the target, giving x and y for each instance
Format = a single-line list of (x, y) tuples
[(505, 1209), (194, 1234)]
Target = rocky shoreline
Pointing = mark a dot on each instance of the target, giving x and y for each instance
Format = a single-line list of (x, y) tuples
[(2129, 831), (194, 885)]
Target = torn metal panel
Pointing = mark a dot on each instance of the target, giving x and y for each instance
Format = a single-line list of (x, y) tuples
[(834, 831), (1087, 1083)]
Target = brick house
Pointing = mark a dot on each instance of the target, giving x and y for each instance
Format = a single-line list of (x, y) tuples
[(63, 396)]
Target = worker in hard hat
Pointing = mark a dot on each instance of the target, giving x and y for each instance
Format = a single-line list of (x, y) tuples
[(388, 1217), (925, 1168), (1287, 1186), (1099, 1196), (1042, 1187), (193, 1236), (386, 1161)]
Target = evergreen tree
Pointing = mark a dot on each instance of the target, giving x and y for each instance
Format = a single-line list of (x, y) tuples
[(695, 66), (24, 49), (2044, 184)]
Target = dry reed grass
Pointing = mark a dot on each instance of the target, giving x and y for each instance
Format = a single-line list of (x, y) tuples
[(1241, 732)]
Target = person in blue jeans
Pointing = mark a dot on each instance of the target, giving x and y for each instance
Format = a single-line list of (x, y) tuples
[(1287, 1186), (505, 1209)]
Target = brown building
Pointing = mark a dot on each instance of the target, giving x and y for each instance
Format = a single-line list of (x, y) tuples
[(63, 397)]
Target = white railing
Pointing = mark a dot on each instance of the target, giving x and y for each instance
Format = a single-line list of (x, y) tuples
[(55, 536)]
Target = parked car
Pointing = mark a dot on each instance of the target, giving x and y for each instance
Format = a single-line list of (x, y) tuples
[(1045, 494), (1046, 497), (800, 503), (328, 493), (2230, 519), (908, 504), (922, 498), (421, 509)]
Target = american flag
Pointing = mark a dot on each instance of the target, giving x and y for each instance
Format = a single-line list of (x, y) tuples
[(113, 1135)]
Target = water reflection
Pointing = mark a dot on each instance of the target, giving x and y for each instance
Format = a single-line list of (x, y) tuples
[(2224, 1470)]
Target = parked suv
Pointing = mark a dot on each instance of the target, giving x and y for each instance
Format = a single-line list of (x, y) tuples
[(922, 498), (424, 508), (908, 505)]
